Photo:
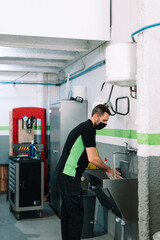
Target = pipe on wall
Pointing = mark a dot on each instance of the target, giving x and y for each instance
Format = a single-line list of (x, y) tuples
[(99, 64), (93, 67), (142, 29), (30, 83)]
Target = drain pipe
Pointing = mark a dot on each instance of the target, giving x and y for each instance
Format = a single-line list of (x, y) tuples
[(122, 222)]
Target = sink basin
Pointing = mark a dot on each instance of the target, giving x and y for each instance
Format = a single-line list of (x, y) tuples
[(124, 192)]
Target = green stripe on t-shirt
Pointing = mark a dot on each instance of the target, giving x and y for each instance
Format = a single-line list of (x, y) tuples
[(73, 158)]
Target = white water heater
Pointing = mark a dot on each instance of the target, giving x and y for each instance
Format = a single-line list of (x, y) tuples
[(121, 64)]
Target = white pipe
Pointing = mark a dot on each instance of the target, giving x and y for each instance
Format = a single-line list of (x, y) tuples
[(122, 229), (67, 85)]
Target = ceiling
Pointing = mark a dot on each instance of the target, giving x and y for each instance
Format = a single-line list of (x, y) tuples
[(24, 54)]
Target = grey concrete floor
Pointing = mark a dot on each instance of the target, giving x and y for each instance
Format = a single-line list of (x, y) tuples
[(31, 227)]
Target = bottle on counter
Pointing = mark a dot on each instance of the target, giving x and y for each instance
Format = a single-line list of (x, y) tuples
[(32, 149)]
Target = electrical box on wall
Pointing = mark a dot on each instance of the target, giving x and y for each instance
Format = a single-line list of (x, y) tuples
[(121, 64)]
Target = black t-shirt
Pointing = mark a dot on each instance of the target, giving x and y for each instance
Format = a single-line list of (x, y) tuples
[(73, 160)]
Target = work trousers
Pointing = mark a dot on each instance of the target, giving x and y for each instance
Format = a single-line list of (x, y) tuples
[(72, 207)]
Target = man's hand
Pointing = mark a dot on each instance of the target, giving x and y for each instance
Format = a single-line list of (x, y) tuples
[(96, 160), (110, 174)]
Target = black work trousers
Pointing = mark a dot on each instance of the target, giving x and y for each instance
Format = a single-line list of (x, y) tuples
[(72, 207)]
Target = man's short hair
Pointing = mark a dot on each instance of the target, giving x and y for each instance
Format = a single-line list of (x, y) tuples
[(100, 110)]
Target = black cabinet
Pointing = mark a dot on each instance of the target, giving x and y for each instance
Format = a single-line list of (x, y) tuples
[(26, 184)]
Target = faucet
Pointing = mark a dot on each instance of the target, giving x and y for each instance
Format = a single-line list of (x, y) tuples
[(128, 150)]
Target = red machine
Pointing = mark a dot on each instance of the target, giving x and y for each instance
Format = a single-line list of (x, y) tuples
[(32, 113)]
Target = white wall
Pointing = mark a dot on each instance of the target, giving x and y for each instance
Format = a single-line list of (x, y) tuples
[(143, 116), (148, 73), (30, 95), (123, 22), (148, 128), (93, 81), (14, 96), (51, 18)]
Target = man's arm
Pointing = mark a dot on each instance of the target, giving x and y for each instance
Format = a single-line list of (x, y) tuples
[(96, 160)]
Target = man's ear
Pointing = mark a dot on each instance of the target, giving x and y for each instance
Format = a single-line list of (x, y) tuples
[(95, 116)]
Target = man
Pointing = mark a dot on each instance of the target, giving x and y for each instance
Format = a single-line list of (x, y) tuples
[(79, 150)]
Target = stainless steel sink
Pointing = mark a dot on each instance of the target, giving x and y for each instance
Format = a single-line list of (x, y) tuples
[(122, 191)]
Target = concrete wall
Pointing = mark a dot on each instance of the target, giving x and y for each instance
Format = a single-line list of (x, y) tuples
[(148, 129)]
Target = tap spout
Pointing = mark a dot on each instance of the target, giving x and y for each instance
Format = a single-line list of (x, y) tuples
[(130, 149)]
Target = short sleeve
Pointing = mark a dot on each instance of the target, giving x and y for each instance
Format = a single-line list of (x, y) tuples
[(88, 137)]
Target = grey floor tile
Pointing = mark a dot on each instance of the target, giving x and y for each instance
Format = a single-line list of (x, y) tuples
[(31, 227)]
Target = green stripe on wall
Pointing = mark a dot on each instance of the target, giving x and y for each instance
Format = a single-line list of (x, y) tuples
[(4, 128), (148, 139), (142, 138), (118, 133)]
